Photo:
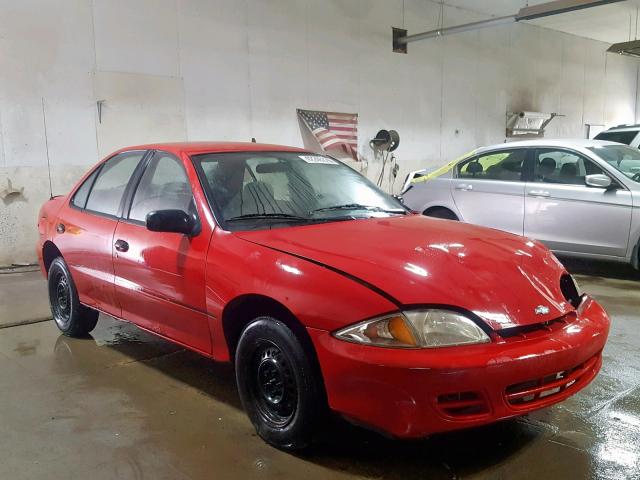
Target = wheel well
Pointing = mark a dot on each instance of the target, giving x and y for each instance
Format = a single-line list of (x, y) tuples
[(49, 253), (242, 310), (430, 210)]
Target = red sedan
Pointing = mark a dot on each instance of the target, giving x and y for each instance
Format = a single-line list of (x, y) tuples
[(324, 291)]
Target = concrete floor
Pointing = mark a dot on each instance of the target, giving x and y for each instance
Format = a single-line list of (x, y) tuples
[(124, 404)]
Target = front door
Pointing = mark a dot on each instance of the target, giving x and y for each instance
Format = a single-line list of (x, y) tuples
[(488, 189), (567, 215), (160, 277)]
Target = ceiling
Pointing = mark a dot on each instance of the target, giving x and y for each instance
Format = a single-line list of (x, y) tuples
[(611, 23)]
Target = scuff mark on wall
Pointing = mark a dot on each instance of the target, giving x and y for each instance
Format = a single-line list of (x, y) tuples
[(12, 194)]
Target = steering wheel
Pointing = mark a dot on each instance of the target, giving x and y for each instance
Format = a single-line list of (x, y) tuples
[(636, 177)]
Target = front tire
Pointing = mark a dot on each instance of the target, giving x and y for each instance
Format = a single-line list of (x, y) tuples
[(279, 387), (72, 318)]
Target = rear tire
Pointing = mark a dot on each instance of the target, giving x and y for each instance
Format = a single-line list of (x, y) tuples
[(441, 212), (279, 387), (72, 318)]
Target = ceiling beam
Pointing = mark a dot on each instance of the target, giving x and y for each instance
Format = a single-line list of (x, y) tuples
[(557, 7)]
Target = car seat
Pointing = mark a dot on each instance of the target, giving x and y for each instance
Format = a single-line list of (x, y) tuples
[(474, 168), (546, 168), (257, 197), (569, 173)]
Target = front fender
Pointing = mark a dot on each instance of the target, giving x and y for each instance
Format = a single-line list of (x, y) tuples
[(317, 296)]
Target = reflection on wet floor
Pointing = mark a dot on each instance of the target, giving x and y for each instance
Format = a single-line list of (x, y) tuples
[(125, 404)]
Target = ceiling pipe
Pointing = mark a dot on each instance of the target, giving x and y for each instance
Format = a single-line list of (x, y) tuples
[(527, 13), (492, 22)]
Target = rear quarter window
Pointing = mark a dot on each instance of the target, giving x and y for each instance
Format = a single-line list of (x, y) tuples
[(80, 197)]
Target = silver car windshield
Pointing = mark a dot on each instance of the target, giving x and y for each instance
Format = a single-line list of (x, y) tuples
[(621, 157)]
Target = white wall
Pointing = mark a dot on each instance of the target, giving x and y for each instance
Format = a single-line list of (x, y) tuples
[(236, 69)]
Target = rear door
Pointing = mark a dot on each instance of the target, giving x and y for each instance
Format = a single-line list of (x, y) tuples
[(86, 227), (566, 214), (159, 276), (488, 189)]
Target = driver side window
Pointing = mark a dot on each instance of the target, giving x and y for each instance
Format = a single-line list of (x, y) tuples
[(163, 186), (562, 167)]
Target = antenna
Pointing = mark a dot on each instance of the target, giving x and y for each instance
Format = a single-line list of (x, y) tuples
[(46, 146)]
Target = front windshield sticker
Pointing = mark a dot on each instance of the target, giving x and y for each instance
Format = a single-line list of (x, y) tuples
[(318, 159)]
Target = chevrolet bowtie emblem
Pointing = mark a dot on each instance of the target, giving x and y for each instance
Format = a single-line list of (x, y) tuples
[(542, 310)]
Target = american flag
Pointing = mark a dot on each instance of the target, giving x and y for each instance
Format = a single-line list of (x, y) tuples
[(333, 130)]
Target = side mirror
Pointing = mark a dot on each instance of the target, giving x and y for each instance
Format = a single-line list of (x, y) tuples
[(598, 180), (175, 221)]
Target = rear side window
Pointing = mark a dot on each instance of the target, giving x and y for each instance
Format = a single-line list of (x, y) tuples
[(112, 180), (620, 137), (505, 165), (164, 186), (80, 197)]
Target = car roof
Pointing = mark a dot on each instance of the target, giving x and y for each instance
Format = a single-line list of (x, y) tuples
[(567, 143), (191, 148), (623, 128)]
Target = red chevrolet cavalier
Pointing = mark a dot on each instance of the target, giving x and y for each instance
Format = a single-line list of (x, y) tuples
[(324, 291)]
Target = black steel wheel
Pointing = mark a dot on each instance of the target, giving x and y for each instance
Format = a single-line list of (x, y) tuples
[(72, 318), (60, 297), (279, 384), (274, 385)]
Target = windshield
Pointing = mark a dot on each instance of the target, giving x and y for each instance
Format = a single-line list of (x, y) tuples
[(622, 158), (250, 190)]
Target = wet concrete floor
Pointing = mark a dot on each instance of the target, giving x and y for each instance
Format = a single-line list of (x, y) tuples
[(124, 404), (23, 296)]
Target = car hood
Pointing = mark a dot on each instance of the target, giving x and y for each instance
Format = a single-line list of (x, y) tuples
[(416, 260)]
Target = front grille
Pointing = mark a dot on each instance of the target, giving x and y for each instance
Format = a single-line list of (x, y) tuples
[(535, 330), (525, 394), (462, 404)]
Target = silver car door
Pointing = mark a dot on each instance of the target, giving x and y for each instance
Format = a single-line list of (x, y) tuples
[(488, 189), (567, 215)]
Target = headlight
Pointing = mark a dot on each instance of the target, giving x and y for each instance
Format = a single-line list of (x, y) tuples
[(416, 329)]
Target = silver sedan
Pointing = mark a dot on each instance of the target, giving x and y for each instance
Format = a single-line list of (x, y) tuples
[(579, 197)]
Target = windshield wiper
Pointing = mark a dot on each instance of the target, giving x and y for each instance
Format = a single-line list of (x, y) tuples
[(358, 206), (271, 216)]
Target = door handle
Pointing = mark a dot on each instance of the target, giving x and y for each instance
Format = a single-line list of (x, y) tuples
[(464, 186), (121, 245), (539, 193)]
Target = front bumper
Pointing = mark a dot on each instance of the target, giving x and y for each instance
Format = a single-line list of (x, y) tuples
[(413, 393)]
